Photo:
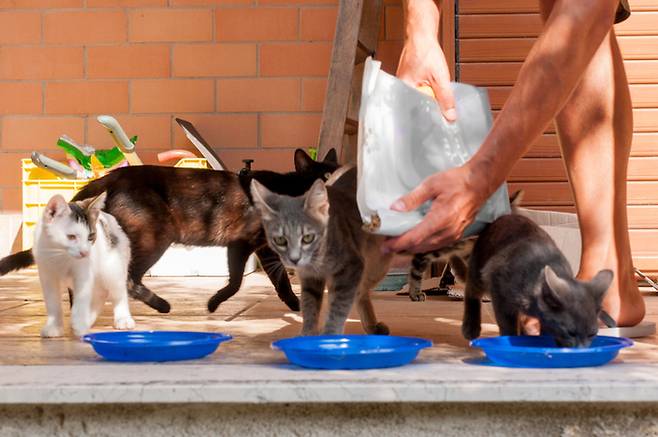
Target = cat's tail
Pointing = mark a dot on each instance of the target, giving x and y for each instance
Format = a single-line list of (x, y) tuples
[(96, 187), (16, 261), (515, 201)]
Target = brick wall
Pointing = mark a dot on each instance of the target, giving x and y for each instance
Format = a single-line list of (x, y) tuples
[(250, 74)]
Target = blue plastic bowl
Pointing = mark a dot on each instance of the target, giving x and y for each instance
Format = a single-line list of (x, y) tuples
[(351, 351), (542, 352), (155, 345)]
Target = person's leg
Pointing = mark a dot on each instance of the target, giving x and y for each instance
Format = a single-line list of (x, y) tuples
[(595, 128)]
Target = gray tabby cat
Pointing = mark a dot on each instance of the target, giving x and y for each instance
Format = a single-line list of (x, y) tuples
[(456, 255), (320, 236), (523, 270)]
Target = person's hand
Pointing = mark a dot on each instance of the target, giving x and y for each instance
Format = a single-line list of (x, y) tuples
[(457, 195), (422, 63)]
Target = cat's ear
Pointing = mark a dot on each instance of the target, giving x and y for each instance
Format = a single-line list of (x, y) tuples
[(600, 283), (556, 287), (262, 198), (333, 177), (303, 162), (56, 207), (316, 202), (93, 207), (331, 157)]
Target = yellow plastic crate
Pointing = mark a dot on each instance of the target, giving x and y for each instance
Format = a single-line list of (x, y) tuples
[(192, 163), (40, 185)]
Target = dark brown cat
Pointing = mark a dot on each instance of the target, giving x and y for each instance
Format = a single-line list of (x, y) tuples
[(157, 206)]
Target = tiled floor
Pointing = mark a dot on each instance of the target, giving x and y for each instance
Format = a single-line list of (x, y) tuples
[(255, 317), (66, 370)]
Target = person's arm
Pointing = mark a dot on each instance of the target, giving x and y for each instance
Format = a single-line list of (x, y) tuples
[(571, 36), (422, 61)]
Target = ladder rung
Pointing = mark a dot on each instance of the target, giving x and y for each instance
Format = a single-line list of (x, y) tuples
[(351, 126), (362, 53)]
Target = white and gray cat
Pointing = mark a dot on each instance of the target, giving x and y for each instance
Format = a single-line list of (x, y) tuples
[(320, 236), (78, 246)]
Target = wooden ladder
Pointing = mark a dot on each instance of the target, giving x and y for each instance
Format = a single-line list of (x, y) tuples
[(357, 31)]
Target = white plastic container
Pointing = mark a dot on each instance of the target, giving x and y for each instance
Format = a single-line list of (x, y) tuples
[(404, 138), (181, 260)]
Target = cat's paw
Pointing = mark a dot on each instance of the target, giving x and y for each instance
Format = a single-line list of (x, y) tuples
[(124, 323), (417, 295), (470, 331), (381, 329), (51, 330), (309, 332), (79, 328), (292, 303)]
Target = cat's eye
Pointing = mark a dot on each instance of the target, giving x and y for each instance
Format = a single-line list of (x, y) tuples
[(308, 238), (71, 237), (91, 237), (280, 241)]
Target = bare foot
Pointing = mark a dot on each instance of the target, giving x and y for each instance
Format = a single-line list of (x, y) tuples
[(623, 301)]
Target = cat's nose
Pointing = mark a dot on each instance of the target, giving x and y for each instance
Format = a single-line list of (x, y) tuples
[(83, 253), (294, 260)]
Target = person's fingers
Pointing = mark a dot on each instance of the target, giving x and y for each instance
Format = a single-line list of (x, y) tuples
[(416, 197), (434, 242), (416, 236), (445, 97)]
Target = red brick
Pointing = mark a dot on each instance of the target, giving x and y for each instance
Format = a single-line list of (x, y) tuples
[(264, 159), (78, 27), (11, 199), (170, 25), (256, 24), (39, 133), (394, 23), (289, 130), (211, 2), (313, 94), (133, 61), (26, 63), (20, 27), (125, 3), (86, 97), (296, 59), (11, 168), (222, 131), (39, 4), (318, 24), (157, 96), (254, 95), (297, 2), (20, 98), (150, 157), (215, 60), (153, 131)]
